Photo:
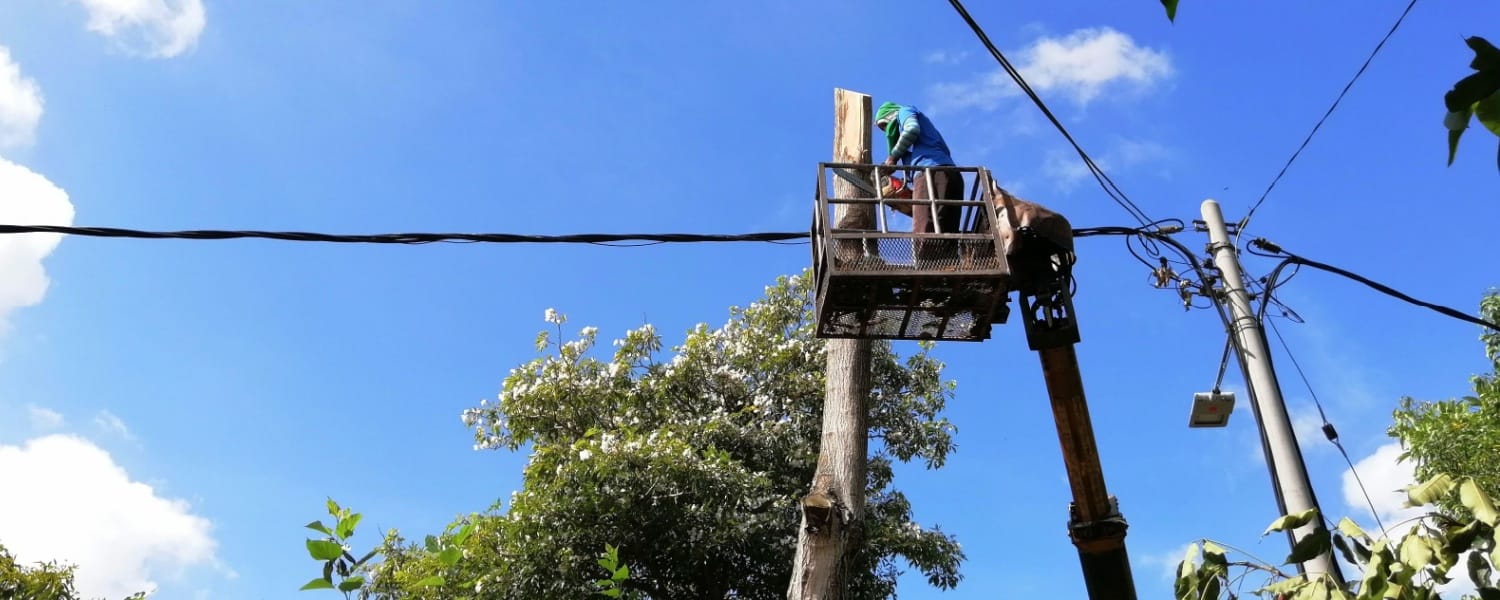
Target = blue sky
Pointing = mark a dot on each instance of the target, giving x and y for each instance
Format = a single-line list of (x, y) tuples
[(244, 381)]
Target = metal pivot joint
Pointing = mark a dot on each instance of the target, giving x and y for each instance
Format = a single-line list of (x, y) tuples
[(1042, 272), (1099, 533)]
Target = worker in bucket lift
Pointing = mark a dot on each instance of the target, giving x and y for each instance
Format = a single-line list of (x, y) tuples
[(912, 139)]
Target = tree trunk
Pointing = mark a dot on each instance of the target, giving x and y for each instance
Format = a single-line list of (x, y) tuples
[(832, 531)]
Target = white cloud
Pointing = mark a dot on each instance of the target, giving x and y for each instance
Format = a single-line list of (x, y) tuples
[(1386, 479), (1308, 426), (1066, 170), (155, 28), (943, 57), (1166, 562), (82, 508), (44, 418), (28, 199), (1081, 66), (109, 422), (20, 104)]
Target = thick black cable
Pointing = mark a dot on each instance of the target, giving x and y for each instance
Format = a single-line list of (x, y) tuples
[(604, 239), (1246, 221), (1105, 182), (1268, 246), (404, 238), (1268, 297)]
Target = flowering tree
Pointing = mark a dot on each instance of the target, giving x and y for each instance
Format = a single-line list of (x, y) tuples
[(690, 468)]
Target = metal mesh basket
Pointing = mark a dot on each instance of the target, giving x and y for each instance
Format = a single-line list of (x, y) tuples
[(877, 283)]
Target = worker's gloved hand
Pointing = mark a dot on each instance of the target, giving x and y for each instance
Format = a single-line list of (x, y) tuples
[(890, 161)]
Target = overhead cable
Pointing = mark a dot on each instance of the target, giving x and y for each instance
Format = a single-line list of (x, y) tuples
[(618, 239), (1246, 221), (1292, 259), (1110, 189)]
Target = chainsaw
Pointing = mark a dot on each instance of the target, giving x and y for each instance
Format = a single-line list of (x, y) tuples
[(891, 188)]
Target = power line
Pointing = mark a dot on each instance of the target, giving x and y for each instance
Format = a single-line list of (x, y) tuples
[(407, 238), (608, 239), (1293, 259), (1246, 221), (1328, 430), (1110, 189), (1272, 282)]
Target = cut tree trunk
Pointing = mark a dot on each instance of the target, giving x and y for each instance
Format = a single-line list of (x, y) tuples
[(832, 530)]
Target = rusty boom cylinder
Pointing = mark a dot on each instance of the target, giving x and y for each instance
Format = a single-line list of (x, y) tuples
[(1042, 273)]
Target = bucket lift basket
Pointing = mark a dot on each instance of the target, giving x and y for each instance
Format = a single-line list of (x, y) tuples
[(879, 281)]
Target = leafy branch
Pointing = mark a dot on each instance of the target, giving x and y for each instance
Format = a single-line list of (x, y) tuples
[(333, 552), (1408, 568), (1476, 96), (618, 573)]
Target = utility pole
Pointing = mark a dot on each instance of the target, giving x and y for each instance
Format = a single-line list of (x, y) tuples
[(1293, 489), (832, 530)]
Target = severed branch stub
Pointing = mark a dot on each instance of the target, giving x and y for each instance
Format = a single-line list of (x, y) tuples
[(819, 510)]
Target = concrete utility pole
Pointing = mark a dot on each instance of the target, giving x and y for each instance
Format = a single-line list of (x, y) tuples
[(1294, 491), (832, 530)]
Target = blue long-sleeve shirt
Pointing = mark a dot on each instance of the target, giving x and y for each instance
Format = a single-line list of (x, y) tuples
[(920, 143)]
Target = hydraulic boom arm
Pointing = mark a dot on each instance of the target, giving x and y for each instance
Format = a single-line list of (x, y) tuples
[(1043, 272)]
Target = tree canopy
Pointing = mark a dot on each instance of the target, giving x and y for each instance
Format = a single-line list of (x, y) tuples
[(50, 580), (42, 580), (690, 468), (1459, 436)]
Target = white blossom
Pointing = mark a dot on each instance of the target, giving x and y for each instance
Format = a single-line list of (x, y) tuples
[(584, 454), (552, 316)]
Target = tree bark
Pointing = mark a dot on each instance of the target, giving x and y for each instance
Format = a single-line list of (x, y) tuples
[(832, 530)]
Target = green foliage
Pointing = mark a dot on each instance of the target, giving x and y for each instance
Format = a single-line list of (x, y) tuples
[(618, 572), (1459, 436), (340, 568), (42, 581), (1410, 567), (1171, 6), (693, 466), (1476, 96)]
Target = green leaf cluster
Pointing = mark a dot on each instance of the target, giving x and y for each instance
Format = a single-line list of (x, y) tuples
[(1458, 436), (619, 573), (340, 568), (1409, 567), (1476, 96), (42, 581)]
